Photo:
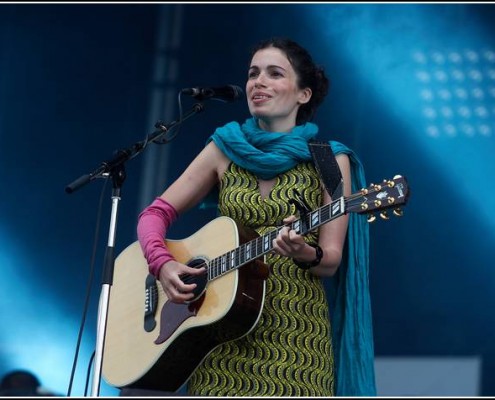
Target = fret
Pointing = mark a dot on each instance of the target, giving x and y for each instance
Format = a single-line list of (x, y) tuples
[(244, 258), (255, 247), (217, 266), (325, 213), (266, 242), (242, 255), (296, 225), (314, 218), (232, 259), (337, 208), (259, 246), (212, 270), (223, 262)]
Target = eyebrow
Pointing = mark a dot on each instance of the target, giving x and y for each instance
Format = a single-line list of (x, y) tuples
[(268, 67)]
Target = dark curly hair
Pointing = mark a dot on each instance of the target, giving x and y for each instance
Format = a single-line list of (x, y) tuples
[(308, 73)]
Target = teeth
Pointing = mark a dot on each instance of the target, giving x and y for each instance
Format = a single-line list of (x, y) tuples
[(260, 97)]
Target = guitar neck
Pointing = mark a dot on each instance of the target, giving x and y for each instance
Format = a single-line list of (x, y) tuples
[(263, 244)]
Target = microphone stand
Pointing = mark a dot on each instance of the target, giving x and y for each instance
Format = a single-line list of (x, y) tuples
[(115, 168)]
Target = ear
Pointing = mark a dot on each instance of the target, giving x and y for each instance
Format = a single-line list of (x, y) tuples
[(305, 95)]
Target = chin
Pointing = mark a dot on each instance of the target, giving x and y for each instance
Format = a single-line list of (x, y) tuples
[(260, 115)]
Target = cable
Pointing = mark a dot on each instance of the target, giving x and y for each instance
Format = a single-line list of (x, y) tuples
[(88, 373), (88, 290), (176, 128)]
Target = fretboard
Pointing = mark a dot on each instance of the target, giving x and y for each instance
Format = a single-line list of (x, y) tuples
[(256, 248)]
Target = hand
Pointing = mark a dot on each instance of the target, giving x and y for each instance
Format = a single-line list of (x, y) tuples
[(288, 242), (176, 290)]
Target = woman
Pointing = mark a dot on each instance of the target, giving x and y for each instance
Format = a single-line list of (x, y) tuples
[(256, 166)]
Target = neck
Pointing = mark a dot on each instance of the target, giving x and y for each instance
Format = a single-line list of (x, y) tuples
[(274, 125)]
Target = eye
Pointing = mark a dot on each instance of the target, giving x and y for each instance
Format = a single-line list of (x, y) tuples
[(252, 74), (276, 72)]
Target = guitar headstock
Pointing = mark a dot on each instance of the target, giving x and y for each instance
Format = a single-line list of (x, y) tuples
[(391, 193)]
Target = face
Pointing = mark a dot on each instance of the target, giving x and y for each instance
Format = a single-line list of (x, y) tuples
[(272, 91)]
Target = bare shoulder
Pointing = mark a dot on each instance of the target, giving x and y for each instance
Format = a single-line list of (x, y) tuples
[(343, 161), (217, 158), (345, 169)]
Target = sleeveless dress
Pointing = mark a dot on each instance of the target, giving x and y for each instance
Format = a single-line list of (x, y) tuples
[(289, 351)]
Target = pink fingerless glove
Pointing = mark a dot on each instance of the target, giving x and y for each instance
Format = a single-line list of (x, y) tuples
[(153, 223)]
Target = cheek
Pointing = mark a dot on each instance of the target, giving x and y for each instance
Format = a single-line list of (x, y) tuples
[(249, 86)]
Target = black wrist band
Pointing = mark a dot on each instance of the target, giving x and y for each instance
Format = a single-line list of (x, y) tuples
[(314, 263)]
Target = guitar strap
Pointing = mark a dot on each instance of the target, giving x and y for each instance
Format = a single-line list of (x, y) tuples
[(327, 167), (329, 171)]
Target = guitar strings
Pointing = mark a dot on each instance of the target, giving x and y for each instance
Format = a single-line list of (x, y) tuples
[(240, 252)]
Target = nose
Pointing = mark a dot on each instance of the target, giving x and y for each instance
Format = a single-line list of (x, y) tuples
[(259, 81)]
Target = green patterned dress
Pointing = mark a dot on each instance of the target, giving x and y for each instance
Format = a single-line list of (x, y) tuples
[(289, 352)]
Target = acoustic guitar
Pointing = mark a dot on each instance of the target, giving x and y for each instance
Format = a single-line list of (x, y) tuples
[(152, 343)]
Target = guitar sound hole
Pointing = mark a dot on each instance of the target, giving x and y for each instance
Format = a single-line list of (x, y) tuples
[(199, 280)]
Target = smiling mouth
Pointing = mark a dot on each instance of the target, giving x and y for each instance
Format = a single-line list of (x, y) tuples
[(258, 99)]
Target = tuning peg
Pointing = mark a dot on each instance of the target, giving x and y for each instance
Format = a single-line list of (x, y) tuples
[(377, 187), (365, 191), (371, 218), (384, 215), (398, 212), (364, 206), (390, 200)]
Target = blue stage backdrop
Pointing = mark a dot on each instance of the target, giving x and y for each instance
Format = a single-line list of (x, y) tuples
[(413, 93)]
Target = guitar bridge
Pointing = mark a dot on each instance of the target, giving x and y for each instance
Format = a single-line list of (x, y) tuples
[(150, 303)]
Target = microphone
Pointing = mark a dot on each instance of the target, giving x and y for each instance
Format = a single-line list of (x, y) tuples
[(225, 93)]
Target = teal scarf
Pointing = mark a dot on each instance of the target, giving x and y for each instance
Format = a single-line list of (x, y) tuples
[(267, 154), (349, 292)]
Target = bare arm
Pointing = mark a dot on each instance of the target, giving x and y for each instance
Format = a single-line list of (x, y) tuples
[(332, 234), (198, 179), (202, 174)]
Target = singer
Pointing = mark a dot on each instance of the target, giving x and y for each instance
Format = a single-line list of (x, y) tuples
[(261, 172)]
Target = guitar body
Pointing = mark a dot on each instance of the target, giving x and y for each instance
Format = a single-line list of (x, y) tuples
[(152, 343), (160, 351)]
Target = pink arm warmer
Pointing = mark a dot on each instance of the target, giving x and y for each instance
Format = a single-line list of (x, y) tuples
[(153, 223)]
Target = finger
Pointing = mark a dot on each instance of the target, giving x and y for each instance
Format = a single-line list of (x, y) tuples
[(186, 287), (284, 234), (197, 270), (183, 288), (190, 277), (289, 219), (280, 247), (290, 241), (295, 237), (186, 282), (178, 297)]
